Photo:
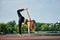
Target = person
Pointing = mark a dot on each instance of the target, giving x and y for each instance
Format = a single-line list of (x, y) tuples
[(25, 21)]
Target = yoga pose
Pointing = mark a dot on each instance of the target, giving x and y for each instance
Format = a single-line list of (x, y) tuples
[(23, 20)]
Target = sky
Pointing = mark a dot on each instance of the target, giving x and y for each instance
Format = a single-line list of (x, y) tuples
[(43, 11)]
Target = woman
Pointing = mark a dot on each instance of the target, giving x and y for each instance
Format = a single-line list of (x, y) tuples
[(23, 20)]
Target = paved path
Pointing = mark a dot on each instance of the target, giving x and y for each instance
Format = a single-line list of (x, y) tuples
[(19, 37)]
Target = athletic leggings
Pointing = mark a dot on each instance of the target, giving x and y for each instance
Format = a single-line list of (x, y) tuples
[(21, 19)]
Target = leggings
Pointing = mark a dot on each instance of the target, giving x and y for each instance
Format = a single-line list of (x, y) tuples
[(21, 20)]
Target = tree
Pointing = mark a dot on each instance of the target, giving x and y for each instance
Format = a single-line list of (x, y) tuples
[(44, 27), (3, 28), (10, 26), (51, 27), (38, 25), (24, 28), (16, 28)]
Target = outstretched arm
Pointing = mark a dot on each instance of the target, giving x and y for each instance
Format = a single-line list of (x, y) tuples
[(26, 9)]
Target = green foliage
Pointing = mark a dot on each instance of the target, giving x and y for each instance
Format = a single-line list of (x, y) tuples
[(47, 27), (16, 29), (44, 27), (38, 25), (24, 28), (8, 27), (3, 27), (12, 27)]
